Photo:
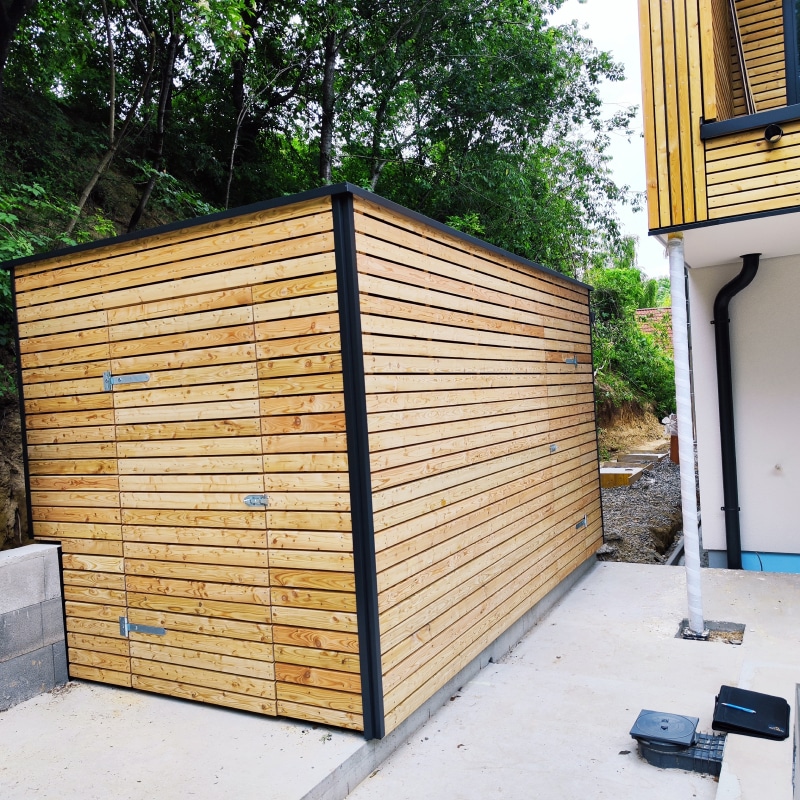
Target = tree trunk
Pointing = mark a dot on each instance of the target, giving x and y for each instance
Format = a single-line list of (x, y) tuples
[(164, 105), (105, 162), (327, 102), (11, 14)]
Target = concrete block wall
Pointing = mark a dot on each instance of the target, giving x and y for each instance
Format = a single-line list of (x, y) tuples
[(33, 656)]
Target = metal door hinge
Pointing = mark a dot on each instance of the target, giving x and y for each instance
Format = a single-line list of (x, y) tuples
[(126, 627), (256, 500), (573, 360), (582, 524), (109, 380)]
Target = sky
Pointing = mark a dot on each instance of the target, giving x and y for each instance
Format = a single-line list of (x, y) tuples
[(613, 25)]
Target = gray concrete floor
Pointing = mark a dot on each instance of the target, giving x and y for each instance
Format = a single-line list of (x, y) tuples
[(550, 720)]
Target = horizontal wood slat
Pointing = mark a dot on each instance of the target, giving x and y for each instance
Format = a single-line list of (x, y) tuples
[(481, 436)]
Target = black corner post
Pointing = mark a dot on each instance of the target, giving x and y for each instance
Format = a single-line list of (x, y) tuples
[(727, 430), (355, 404)]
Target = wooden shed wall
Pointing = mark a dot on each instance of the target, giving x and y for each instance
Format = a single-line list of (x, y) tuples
[(482, 444), (684, 67), (236, 322)]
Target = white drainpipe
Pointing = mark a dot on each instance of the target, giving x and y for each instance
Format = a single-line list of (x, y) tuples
[(683, 397)]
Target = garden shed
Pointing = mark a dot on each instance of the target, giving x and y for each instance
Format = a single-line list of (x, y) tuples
[(306, 458)]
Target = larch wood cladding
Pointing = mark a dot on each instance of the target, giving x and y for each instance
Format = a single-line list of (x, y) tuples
[(407, 525), (690, 74), (482, 444), (235, 323)]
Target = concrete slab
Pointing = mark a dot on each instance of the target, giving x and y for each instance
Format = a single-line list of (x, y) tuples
[(549, 720), (552, 719)]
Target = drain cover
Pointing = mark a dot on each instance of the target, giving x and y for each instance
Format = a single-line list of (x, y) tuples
[(656, 726)]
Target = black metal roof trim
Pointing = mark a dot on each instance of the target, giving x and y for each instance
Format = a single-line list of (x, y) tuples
[(321, 191), (713, 130), (690, 226)]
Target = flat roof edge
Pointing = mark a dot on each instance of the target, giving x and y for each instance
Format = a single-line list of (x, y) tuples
[(285, 200)]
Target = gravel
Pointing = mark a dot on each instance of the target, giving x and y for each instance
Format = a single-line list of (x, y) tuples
[(641, 521)]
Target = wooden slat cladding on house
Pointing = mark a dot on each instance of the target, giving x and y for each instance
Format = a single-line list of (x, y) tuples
[(316, 455), (747, 175), (691, 74), (672, 85), (481, 444)]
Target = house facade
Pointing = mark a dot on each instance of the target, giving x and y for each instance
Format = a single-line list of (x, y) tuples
[(721, 101)]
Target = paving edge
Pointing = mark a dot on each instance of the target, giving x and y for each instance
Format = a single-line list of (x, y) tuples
[(350, 773)]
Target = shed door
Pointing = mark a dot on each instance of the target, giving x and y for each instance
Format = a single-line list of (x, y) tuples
[(188, 434)]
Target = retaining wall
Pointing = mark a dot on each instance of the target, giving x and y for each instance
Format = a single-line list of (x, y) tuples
[(33, 655)]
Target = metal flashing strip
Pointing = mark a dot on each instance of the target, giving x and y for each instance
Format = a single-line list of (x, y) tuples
[(363, 529), (748, 122)]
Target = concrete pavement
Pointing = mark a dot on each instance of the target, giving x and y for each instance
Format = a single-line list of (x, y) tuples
[(549, 720)]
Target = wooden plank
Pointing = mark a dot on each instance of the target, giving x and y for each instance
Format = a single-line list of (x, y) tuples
[(89, 610), (190, 412), (182, 448), (98, 644), (92, 594), (204, 694), (212, 429), (323, 716), (88, 546), (383, 223), (62, 435), (312, 561), (174, 361), (308, 540), (60, 325), (43, 269), (248, 520), (536, 309), (304, 443), (328, 580), (179, 537), (319, 600), (317, 678), (193, 571), (297, 327), (202, 607), (184, 628), (78, 530), (180, 304), (180, 324), (83, 672), (93, 579), (394, 299), (314, 657), (91, 419), (217, 392), (249, 653), (301, 345), (84, 466), (199, 659), (313, 641), (317, 305), (200, 483), (187, 465), (76, 499), (191, 554), (295, 617), (301, 384), (180, 673), (151, 267), (304, 404), (319, 697), (43, 483), (227, 593)]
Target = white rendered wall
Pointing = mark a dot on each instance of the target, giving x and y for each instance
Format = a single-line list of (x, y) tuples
[(765, 347)]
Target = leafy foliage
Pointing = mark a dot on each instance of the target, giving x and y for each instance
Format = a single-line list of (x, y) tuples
[(478, 113), (630, 365)]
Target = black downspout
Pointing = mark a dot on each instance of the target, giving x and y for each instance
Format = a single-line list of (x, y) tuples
[(730, 483)]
